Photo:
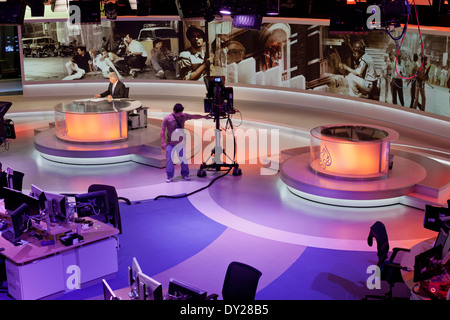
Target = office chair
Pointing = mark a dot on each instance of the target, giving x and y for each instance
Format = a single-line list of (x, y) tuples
[(127, 92), (15, 178), (240, 282), (389, 270), (113, 216)]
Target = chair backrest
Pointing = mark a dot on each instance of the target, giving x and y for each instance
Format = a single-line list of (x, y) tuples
[(113, 202), (240, 282), (127, 92), (378, 231)]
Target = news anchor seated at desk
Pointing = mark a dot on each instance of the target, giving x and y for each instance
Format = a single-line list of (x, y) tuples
[(116, 88)]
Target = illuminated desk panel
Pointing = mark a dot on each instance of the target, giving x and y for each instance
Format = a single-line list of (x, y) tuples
[(94, 120), (351, 151)]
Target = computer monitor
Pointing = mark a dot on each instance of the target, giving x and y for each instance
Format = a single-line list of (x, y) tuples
[(39, 194), (4, 107), (92, 203), (133, 272), (56, 206), (108, 293), (434, 218), (441, 238), (446, 246), (19, 219), (148, 288), (183, 291), (14, 199), (426, 264)]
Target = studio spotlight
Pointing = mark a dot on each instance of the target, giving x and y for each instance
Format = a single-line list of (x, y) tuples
[(273, 7), (247, 21)]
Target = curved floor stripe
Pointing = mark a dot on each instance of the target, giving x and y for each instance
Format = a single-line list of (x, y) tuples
[(207, 268)]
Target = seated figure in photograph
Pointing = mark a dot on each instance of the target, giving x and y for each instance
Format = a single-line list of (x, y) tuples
[(162, 59), (135, 57), (79, 65)]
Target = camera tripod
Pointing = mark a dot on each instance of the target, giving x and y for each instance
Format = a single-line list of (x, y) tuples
[(217, 154)]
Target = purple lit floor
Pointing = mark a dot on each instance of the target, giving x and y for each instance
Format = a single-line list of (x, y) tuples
[(262, 216)]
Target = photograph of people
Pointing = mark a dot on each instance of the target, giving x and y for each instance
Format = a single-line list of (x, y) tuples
[(103, 63), (192, 61), (135, 57), (162, 59), (421, 79), (397, 81), (79, 65), (362, 80)]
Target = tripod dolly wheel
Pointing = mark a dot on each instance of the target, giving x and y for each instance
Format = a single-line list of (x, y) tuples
[(201, 173), (237, 172)]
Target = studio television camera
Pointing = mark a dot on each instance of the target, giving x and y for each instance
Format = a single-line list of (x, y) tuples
[(6, 125), (219, 99), (219, 105)]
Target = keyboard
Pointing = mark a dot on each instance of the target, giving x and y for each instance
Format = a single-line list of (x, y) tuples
[(8, 235)]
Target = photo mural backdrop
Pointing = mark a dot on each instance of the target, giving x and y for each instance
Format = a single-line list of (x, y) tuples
[(284, 55)]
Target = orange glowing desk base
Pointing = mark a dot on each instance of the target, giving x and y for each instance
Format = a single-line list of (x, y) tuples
[(93, 127), (351, 151), (94, 120)]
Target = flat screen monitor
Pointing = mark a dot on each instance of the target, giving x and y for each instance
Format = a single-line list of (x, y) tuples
[(446, 247), (4, 107), (148, 288), (441, 238), (39, 194), (425, 264), (92, 203), (14, 199), (19, 219), (108, 293), (433, 218), (184, 291), (133, 271), (56, 206)]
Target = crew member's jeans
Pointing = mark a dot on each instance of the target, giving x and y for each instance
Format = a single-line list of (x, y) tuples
[(171, 152)]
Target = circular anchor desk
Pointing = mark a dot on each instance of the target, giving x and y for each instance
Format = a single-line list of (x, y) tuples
[(94, 120), (351, 151)]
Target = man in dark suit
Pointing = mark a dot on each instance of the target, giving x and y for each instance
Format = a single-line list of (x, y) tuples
[(116, 88)]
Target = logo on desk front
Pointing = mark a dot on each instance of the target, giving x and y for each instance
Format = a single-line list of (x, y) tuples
[(325, 158), (74, 279)]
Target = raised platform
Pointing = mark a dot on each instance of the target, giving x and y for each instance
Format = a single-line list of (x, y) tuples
[(414, 180), (142, 146)]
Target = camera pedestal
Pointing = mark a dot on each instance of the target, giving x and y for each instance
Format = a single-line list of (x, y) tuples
[(216, 154)]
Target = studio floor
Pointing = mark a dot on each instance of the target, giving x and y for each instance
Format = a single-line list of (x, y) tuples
[(254, 206)]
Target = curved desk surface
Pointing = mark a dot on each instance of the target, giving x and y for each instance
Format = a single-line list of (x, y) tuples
[(94, 120), (98, 105)]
